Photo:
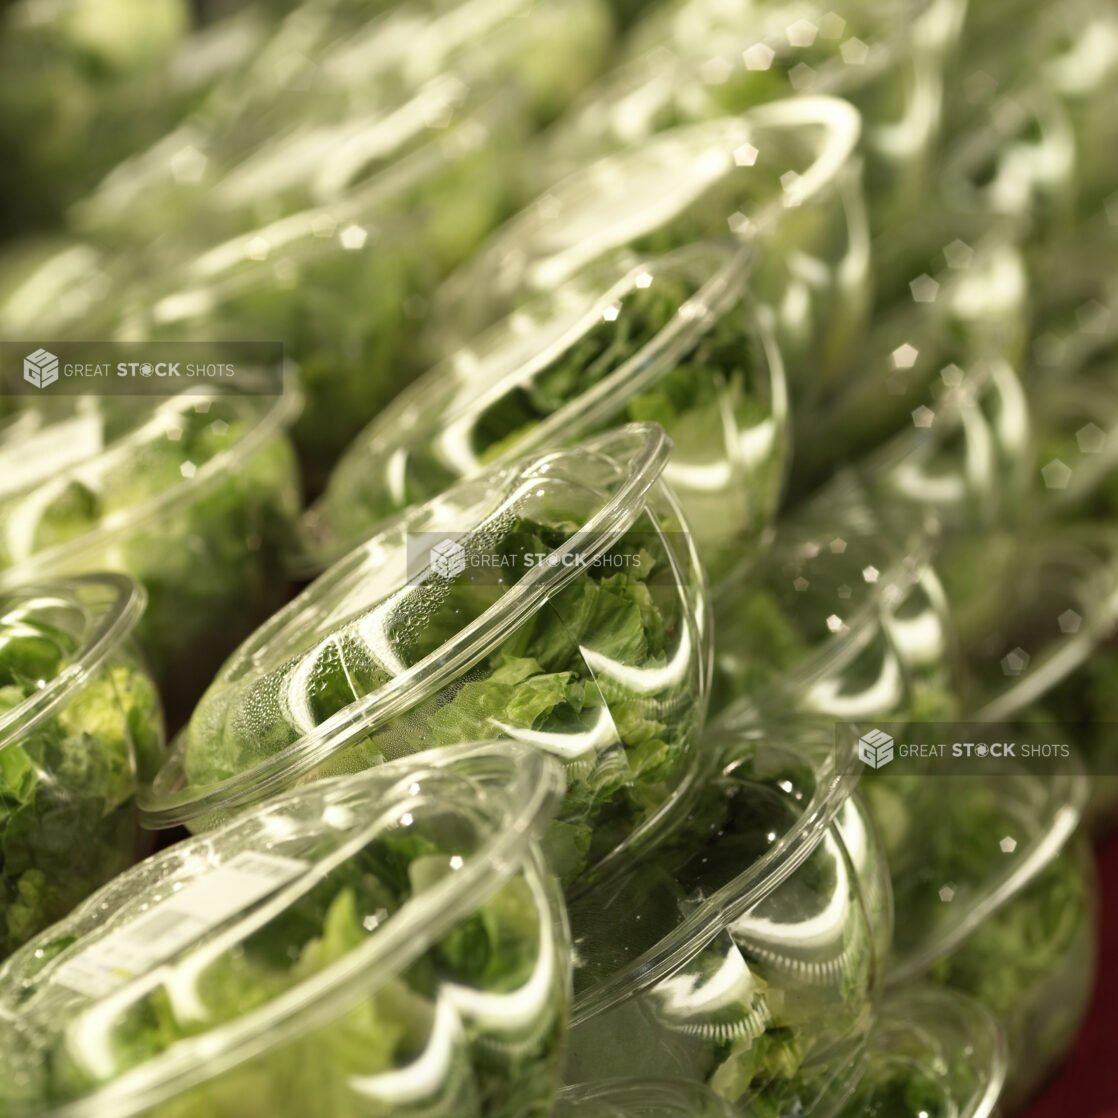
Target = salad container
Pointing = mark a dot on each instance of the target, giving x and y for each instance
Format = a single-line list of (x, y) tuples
[(557, 601), (642, 1098), (380, 246), (1017, 165), (337, 96), (80, 725), (81, 81), (934, 1053), (1075, 321), (1069, 50), (966, 322), (368, 200), (743, 953), (195, 496), (388, 944), (1044, 645), (844, 617), (968, 456), (995, 895), (701, 58), (784, 175), (675, 338), (1029, 610)]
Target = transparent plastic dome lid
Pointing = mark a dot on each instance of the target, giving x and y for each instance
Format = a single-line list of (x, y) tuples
[(736, 53), (335, 98), (1019, 164), (1077, 412), (55, 636), (691, 58), (556, 600), (949, 326), (744, 951), (93, 469), (810, 624), (793, 777), (969, 450), (1029, 611), (673, 337), (283, 922), (960, 848), (733, 176), (642, 1098), (933, 1053)]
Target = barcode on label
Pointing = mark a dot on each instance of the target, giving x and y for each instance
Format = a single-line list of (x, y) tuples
[(203, 904), (158, 924), (264, 865)]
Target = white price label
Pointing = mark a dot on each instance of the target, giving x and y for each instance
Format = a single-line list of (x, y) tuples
[(177, 922)]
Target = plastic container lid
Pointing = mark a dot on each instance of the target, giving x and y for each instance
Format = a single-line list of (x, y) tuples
[(1044, 604), (1077, 413), (741, 951), (83, 621), (77, 479), (933, 1053), (960, 848), (815, 623), (337, 96), (1019, 164), (642, 1098), (965, 323), (733, 176), (80, 725), (967, 456), (691, 58), (588, 355), (593, 648), (312, 952)]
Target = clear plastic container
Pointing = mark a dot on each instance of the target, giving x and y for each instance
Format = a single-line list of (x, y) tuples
[(196, 496), (1077, 412), (675, 338), (1018, 164), (557, 600), (695, 59), (743, 952), (994, 891), (80, 725), (387, 944), (338, 95), (382, 247), (843, 617), (81, 82), (1044, 645), (968, 456), (1075, 319), (784, 175), (1029, 609), (965, 323), (642, 1098), (350, 195), (1068, 52), (53, 285), (934, 1053)]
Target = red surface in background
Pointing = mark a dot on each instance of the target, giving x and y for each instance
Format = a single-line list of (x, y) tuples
[(1087, 1087)]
